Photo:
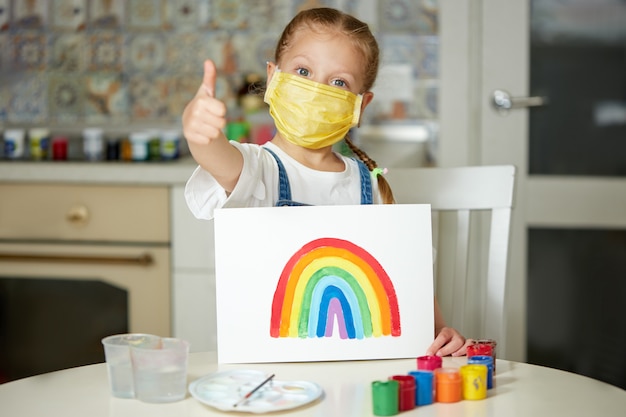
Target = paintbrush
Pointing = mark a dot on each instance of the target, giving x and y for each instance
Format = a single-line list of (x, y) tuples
[(255, 389)]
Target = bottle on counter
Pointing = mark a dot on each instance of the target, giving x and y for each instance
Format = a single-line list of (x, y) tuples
[(14, 143), (139, 145), (170, 144), (93, 143), (112, 149), (154, 144), (39, 139), (59, 148)]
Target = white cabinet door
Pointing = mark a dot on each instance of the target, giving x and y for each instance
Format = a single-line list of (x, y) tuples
[(571, 165)]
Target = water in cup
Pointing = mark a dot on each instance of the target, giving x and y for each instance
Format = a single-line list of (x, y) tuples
[(118, 359), (161, 374)]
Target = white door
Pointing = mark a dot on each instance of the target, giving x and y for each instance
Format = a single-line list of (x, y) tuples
[(570, 153)]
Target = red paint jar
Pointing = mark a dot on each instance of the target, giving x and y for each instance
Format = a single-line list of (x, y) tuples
[(429, 362), (483, 347), (59, 148), (406, 392)]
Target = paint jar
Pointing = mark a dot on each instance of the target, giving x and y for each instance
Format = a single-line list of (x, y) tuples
[(429, 363), (139, 145), (406, 391), (39, 139), (474, 382), (483, 360), (483, 347), (385, 397), (170, 140), (126, 150), (112, 149), (14, 143), (424, 392), (93, 143), (59, 148), (448, 386), (154, 145)]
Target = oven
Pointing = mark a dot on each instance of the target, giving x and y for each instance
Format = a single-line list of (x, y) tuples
[(78, 263)]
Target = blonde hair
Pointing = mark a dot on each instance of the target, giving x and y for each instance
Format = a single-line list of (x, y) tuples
[(362, 38)]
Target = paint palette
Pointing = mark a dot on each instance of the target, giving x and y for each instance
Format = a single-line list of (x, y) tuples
[(222, 390)]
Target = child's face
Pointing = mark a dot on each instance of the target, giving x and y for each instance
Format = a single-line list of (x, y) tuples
[(325, 58)]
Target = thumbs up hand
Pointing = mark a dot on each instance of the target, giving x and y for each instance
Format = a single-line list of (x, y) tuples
[(204, 116)]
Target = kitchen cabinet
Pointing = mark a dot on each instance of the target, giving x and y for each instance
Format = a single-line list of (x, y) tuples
[(79, 262), (185, 243), (193, 275)]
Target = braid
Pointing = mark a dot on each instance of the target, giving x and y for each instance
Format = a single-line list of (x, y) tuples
[(383, 186)]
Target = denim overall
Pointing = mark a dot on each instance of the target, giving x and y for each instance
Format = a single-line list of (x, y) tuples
[(284, 189)]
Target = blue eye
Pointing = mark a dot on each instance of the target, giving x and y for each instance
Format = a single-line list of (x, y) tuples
[(303, 72), (339, 83)]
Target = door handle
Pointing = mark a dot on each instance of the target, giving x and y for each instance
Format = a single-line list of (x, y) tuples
[(503, 102), (144, 259)]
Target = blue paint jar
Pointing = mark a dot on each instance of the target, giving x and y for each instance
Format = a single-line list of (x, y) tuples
[(483, 360), (423, 386)]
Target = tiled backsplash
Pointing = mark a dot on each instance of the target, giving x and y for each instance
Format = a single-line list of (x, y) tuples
[(115, 62)]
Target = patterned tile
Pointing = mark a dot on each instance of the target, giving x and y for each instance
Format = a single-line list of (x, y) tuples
[(145, 14), (28, 100), (228, 14), (65, 96), (5, 15), (30, 14), (299, 5), (67, 52), (185, 53), (111, 51), (186, 15), (5, 56), (106, 14), (148, 97), (427, 57), (106, 98), (145, 52), (181, 91), (105, 52), (28, 50), (269, 15), (69, 14)]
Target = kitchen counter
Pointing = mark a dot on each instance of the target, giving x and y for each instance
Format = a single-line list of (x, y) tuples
[(131, 173)]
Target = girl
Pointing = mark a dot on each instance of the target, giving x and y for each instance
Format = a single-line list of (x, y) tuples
[(326, 64)]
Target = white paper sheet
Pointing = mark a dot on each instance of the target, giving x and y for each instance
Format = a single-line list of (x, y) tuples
[(319, 283)]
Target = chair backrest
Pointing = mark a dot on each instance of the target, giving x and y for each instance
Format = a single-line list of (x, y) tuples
[(471, 227)]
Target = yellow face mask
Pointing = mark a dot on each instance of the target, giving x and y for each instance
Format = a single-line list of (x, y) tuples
[(310, 114)]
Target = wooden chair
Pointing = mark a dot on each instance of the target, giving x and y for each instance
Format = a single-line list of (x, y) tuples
[(471, 227)]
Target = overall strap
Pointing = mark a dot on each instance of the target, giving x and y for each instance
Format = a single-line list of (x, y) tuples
[(366, 183), (284, 189)]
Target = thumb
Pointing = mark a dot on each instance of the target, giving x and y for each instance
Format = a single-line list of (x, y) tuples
[(208, 80)]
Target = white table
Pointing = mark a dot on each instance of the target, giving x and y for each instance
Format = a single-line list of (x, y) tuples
[(520, 390)]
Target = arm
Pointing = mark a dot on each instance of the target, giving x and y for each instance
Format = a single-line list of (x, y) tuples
[(447, 341), (203, 120)]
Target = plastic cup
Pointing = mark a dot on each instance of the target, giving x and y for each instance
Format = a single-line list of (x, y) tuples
[(118, 359), (161, 373)]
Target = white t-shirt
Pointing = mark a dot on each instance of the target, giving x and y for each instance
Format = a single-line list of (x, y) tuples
[(258, 183)]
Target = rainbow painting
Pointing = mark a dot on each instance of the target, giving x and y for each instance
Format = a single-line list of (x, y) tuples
[(330, 281)]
